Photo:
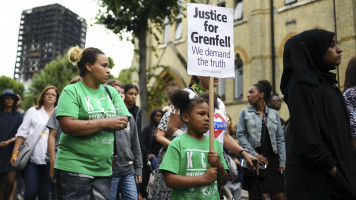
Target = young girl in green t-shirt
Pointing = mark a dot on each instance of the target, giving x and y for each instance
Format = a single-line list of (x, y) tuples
[(190, 169)]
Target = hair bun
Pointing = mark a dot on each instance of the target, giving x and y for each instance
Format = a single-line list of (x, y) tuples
[(75, 54)]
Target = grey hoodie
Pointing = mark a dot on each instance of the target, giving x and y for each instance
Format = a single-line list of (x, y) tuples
[(128, 151)]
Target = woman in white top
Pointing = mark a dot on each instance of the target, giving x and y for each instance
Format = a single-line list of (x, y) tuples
[(36, 172)]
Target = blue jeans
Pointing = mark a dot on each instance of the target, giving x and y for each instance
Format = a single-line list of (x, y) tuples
[(37, 182), (73, 186), (126, 185)]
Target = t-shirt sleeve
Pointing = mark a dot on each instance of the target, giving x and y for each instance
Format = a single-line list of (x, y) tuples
[(219, 150), (118, 102), (68, 104), (171, 160), (53, 122), (24, 129)]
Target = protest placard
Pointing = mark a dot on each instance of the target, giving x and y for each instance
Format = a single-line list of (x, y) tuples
[(210, 41)]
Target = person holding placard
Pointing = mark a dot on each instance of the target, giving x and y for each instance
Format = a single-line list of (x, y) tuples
[(190, 169), (198, 85)]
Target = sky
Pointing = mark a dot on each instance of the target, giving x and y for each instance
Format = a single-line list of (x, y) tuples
[(97, 35)]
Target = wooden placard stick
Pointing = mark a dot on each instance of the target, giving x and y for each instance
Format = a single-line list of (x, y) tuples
[(211, 113)]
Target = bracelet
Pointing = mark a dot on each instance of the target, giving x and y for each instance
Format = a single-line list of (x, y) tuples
[(14, 155), (223, 175)]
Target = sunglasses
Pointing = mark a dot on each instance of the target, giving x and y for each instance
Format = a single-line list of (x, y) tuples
[(9, 97)]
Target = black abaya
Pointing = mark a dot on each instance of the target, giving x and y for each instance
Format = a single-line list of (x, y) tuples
[(318, 137)]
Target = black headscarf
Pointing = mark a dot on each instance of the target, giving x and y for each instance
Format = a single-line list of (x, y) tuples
[(303, 59)]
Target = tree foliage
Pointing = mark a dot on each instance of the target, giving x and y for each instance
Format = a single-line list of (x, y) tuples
[(123, 16), (133, 16), (58, 73), (9, 83), (125, 75), (156, 96)]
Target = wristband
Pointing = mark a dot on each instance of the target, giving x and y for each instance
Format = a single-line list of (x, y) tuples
[(14, 155), (223, 175), (13, 139)]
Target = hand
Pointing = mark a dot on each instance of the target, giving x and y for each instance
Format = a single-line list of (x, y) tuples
[(211, 175), (213, 159), (281, 169), (4, 144), (249, 158), (13, 161), (263, 160), (151, 156), (116, 123), (333, 171), (51, 170), (237, 162), (138, 179)]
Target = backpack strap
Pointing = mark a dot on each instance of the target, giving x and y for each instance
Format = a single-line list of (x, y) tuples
[(115, 148)]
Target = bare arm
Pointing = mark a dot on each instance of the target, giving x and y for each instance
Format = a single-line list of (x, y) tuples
[(19, 141), (161, 138), (52, 150), (5, 143), (174, 123), (177, 181), (231, 145), (75, 127)]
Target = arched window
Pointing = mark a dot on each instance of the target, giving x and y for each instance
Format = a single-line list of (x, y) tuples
[(238, 10), (167, 27), (238, 85), (222, 88)]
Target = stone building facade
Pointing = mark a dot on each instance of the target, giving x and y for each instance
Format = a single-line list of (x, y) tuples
[(253, 36)]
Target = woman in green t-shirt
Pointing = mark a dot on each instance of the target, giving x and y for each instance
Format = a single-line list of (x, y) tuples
[(88, 118)]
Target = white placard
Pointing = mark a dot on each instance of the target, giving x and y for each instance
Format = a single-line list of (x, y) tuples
[(210, 41)]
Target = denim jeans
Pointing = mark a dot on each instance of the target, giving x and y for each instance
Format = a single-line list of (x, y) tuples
[(37, 182), (126, 185), (73, 186)]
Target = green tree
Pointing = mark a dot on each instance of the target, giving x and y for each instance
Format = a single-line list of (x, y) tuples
[(133, 16), (125, 75), (58, 73), (9, 83), (156, 97), (29, 101)]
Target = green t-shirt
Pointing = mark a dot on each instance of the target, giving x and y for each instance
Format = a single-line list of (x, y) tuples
[(91, 155), (188, 156)]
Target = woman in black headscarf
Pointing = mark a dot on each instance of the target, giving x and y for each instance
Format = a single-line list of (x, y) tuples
[(321, 163)]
